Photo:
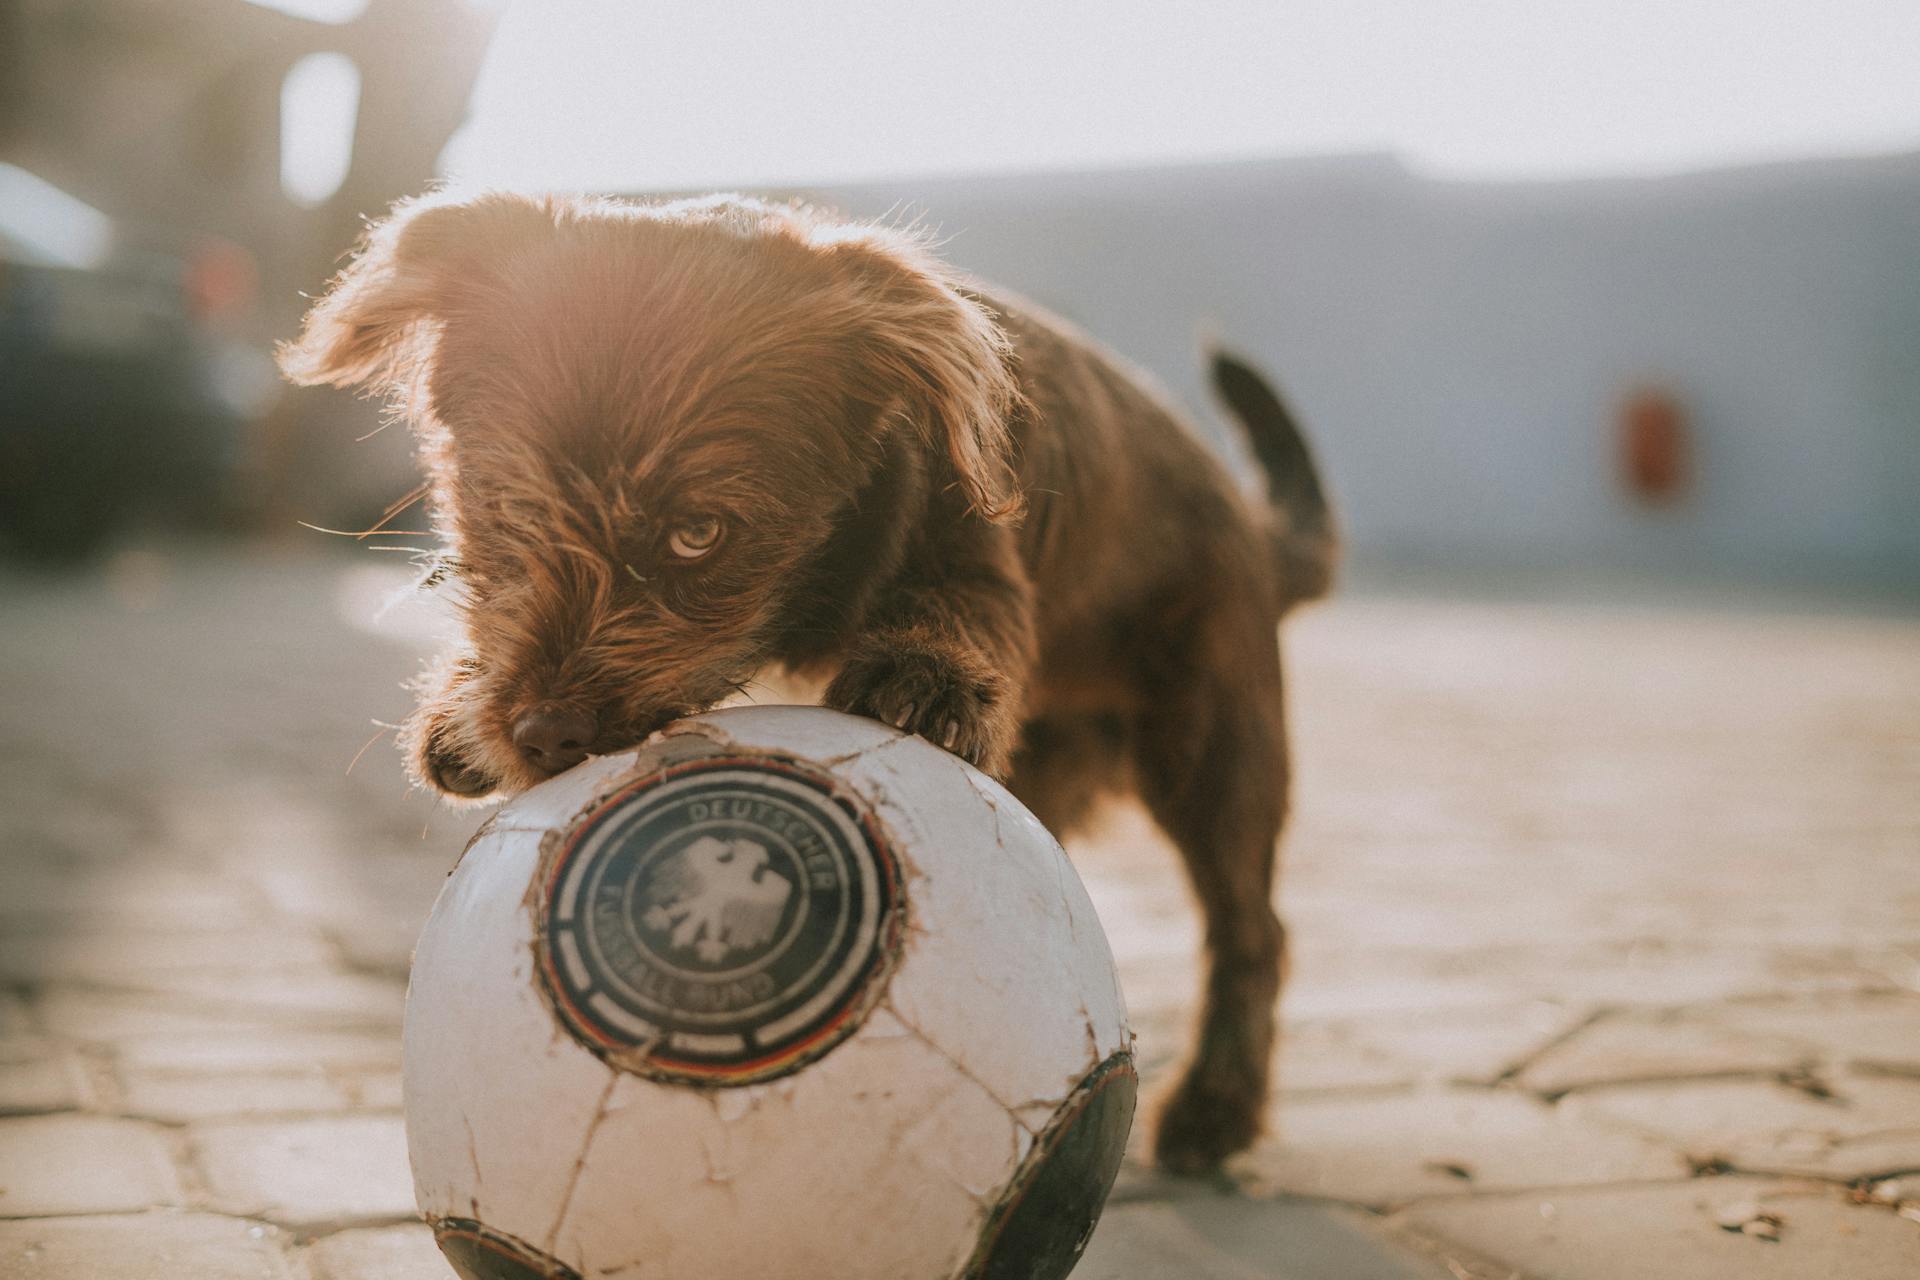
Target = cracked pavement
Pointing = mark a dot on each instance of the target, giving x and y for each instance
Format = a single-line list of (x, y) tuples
[(1606, 915)]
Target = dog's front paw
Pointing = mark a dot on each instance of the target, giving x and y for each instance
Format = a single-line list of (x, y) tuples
[(948, 695), (436, 765), (453, 776)]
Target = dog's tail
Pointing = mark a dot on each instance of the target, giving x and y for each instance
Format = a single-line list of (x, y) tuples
[(1306, 542)]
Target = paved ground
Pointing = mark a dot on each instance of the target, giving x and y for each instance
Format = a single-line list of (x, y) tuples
[(1608, 924)]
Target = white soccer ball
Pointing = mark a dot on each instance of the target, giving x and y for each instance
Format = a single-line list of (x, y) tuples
[(783, 993)]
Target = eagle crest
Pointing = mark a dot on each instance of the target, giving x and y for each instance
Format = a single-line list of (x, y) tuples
[(715, 897)]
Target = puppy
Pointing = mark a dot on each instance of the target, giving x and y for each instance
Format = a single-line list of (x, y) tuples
[(671, 445)]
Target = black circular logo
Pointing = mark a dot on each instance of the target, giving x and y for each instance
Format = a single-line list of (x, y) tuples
[(720, 921)]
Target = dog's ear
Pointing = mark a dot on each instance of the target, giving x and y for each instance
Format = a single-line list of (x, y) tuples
[(945, 361), (368, 326)]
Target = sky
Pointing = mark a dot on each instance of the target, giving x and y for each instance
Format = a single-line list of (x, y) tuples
[(667, 95)]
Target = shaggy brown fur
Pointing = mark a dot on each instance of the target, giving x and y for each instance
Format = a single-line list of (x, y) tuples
[(672, 445)]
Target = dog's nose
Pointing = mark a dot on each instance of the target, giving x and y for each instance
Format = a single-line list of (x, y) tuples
[(554, 739)]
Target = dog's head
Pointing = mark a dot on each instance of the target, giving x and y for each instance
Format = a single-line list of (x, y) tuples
[(667, 445)]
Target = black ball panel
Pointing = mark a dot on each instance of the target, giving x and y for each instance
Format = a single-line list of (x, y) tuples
[(479, 1253), (1049, 1210)]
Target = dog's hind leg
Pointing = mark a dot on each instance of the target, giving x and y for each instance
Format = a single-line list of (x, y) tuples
[(1212, 770)]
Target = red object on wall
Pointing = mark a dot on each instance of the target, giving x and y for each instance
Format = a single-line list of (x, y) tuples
[(222, 281), (1656, 450)]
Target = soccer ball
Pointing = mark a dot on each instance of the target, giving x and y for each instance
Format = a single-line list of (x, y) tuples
[(783, 993)]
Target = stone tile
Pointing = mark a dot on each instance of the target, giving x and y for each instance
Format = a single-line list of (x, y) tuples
[(1466, 1046), (1671, 1231), (1139, 1180), (14, 1019), (1314, 1056), (1158, 955), (1870, 1126), (1320, 1057), (1391, 1148), (49, 1082), (1630, 1047), (1211, 1236), (381, 946), (308, 1173), (342, 872), (98, 1016), (83, 1164), (111, 955), (180, 1099), (1315, 992), (378, 1253), (1469, 1046), (261, 1050), (137, 893), (161, 1245), (309, 998), (1898, 962), (1879, 1033), (374, 1090), (83, 824), (25, 1047), (1646, 973)]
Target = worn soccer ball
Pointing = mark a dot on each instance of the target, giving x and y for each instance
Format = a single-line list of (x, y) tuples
[(782, 993)]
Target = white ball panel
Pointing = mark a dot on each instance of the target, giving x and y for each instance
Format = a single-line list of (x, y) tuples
[(557, 802), (876, 1162), (826, 737), (1096, 978), (987, 937), (497, 1094)]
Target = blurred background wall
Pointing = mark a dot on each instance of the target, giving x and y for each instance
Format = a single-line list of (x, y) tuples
[(1620, 337), (1469, 355)]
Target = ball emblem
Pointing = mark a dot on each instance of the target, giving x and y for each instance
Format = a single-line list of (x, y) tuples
[(720, 921)]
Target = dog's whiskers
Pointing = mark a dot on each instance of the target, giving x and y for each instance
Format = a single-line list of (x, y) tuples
[(382, 732)]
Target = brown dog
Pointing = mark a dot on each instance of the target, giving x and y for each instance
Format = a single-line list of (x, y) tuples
[(672, 445)]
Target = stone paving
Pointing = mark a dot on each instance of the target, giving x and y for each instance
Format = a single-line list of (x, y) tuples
[(1607, 916)]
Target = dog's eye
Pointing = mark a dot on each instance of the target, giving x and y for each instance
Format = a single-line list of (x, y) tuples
[(692, 539)]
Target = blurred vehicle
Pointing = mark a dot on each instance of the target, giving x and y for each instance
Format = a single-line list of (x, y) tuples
[(117, 404)]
